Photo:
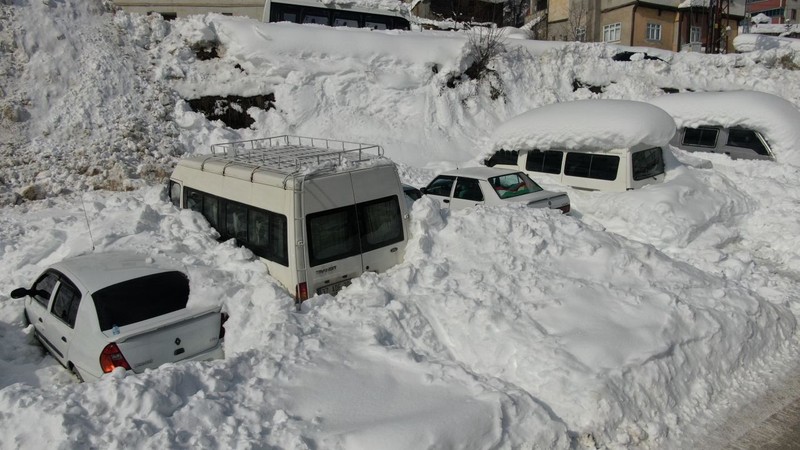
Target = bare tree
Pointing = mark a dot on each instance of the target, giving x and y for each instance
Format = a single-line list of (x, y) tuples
[(484, 44), (577, 20)]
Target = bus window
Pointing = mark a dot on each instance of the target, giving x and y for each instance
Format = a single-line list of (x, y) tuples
[(344, 19), (376, 22), (316, 17)]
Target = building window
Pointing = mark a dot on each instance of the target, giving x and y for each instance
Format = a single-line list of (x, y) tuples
[(612, 32), (793, 15), (580, 34), (653, 32), (694, 35)]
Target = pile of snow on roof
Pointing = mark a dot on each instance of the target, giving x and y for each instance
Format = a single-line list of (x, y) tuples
[(596, 124)]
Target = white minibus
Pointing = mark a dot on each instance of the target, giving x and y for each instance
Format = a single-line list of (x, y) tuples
[(318, 212)]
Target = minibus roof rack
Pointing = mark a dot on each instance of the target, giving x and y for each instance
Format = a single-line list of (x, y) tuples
[(290, 154)]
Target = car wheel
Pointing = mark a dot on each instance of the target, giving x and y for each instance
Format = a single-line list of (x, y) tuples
[(75, 372)]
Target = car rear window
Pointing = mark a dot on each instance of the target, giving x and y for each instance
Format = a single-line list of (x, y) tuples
[(513, 184), (141, 299)]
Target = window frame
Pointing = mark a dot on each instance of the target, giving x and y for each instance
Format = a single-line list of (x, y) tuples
[(65, 284), (653, 32), (569, 170), (612, 30), (695, 31), (546, 163), (638, 176), (45, 302), (701, 129)]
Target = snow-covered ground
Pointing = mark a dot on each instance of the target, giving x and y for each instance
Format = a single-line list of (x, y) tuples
[(640, 321)]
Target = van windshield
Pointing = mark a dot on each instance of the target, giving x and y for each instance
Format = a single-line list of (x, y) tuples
[(513, 184), (647, 163), (140, 299)]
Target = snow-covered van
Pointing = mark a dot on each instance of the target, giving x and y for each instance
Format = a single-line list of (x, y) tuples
[(740, 124), (318, 212), (606, 145)]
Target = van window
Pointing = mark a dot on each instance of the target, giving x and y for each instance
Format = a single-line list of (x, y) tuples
[(380, 223), (700, 136), (236, 221), (742, 138), (647, 163), (175, 193), (211, 210), (344, 19), (442, 185), (332, 235), (66, 302), (266, 235), (548, 161), (507, 157), (314, 17), (264, 232), (589, 165)]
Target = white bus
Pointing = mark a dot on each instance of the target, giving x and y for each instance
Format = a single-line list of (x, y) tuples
[(335, 15), (318, 212)]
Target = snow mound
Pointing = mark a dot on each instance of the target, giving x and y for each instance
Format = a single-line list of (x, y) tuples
[(774, 117), (593, 124)]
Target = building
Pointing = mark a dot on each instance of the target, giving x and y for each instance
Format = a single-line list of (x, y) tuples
[(778, 11), (665, 24), (171, 9)]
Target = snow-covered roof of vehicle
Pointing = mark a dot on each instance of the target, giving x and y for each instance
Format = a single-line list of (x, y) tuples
[(592, 124), (96, 271), (479, 172), (775, 118)]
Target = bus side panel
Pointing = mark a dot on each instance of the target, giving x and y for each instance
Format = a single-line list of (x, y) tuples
[(320, 195), (379, 183)]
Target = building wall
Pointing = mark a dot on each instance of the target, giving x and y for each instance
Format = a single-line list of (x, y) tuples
[(249, 8), (558, 10), (622, 15), (667, 20)]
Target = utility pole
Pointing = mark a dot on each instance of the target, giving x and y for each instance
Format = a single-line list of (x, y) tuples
[(717, 35)]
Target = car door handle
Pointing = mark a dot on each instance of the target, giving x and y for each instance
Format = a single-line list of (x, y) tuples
[(63, 339), (446, 201), (40, 319)]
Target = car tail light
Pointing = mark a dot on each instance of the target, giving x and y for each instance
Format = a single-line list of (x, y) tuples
[(302, 292), (111, 357), (223, 319), (565, 209)]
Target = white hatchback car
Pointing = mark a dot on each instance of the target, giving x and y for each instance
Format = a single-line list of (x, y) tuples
[(462, 188), (101, 311)]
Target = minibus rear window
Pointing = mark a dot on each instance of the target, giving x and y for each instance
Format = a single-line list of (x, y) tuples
[(380, 223), (332, 235)]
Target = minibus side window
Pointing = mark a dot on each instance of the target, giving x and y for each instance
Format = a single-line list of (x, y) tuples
[(175, 193), (588, 165), (332, 235), (194, 200), (236, 221), (548, 161), (380, 223), (266, 235)]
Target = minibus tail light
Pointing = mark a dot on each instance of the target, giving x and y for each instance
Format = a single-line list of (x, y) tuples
[(302, 292)]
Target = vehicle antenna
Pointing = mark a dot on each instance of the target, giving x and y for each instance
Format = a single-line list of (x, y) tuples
[(88, 225)]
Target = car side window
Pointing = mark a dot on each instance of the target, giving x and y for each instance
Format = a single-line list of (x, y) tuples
[(441, 186), (468, 189), (66, 302), (43, 288), (742, 138)]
